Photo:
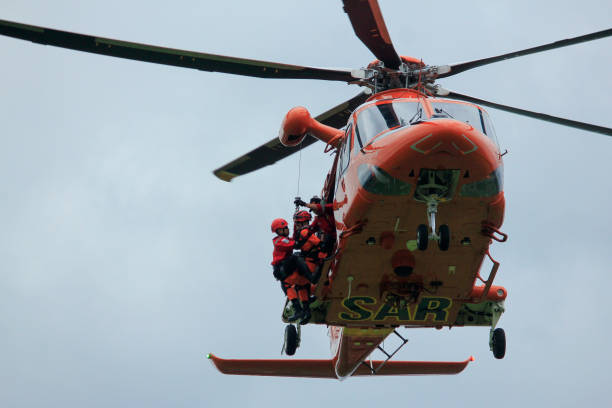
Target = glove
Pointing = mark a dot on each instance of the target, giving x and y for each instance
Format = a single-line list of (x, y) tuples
[(298, 201)]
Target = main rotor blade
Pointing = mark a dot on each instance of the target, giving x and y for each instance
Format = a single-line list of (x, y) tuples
[(369, 25), (168, 56), (274, 151), (536, 115), (464, 66)]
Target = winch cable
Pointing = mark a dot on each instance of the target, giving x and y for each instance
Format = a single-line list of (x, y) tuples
[(299, 170)]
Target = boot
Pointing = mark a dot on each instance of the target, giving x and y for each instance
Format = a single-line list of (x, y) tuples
[(316, 276), (298, 312), (307, 314)]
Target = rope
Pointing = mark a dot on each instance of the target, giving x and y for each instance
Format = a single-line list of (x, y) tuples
[(299, 170)]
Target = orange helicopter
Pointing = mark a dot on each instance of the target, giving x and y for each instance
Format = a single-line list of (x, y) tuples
[(417, 187)]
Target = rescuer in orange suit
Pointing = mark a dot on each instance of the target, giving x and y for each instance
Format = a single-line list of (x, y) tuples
[(307, 241), (310, 247), (324, 220), (291, 270)]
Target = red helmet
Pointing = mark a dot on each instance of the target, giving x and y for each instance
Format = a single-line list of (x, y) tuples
[(301, 216), (279, 223)]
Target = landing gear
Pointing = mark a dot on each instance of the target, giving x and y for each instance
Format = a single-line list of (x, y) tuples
[(424, 234), (296, 314), (422, 237), (498, 343), (292, 339), (444, 234), (435, 187), (497, 337)]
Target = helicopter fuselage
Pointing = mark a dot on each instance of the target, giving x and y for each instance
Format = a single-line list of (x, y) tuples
[(390, 177)]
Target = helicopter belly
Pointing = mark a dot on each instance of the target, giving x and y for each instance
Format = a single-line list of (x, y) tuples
[(382, 275), (366, 288)]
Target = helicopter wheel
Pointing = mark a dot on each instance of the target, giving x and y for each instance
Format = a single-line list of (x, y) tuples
[(498, 343), (444, 233), (291, 340), (422, 237)]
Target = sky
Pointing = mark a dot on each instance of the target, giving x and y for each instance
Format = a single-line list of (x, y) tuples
[(123, 260)]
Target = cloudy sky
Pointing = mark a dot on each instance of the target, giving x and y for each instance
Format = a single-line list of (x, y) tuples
[(123, 260)]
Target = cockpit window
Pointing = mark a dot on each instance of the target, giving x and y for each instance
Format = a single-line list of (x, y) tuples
[(378, 118), (488, 126), (458, 111), (470, 114)]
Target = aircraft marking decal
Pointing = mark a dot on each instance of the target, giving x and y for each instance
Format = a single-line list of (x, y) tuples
[(415, 148), (467, 151), (362, 308)]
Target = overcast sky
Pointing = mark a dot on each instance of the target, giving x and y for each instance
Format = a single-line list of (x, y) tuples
[(123, 260)]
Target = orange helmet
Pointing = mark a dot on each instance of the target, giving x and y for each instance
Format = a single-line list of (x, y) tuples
[(279, 223), (301, 216)]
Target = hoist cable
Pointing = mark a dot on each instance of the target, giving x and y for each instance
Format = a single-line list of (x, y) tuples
[(299, 170)]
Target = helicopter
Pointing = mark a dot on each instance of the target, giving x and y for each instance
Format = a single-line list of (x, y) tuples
[(417, 88)]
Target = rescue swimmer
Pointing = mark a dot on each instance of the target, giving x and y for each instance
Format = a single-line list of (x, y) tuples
[(295, 276), (309, 244)]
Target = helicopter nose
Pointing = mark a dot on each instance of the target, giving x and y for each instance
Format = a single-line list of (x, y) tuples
[(438, 145), (456, 139), (444, 143)]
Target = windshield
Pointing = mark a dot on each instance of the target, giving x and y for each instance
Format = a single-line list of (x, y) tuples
[(378, 118), (488, 126), (458, 111)]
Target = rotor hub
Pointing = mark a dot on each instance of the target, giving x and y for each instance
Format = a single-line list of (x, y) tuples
[(412, 73)]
